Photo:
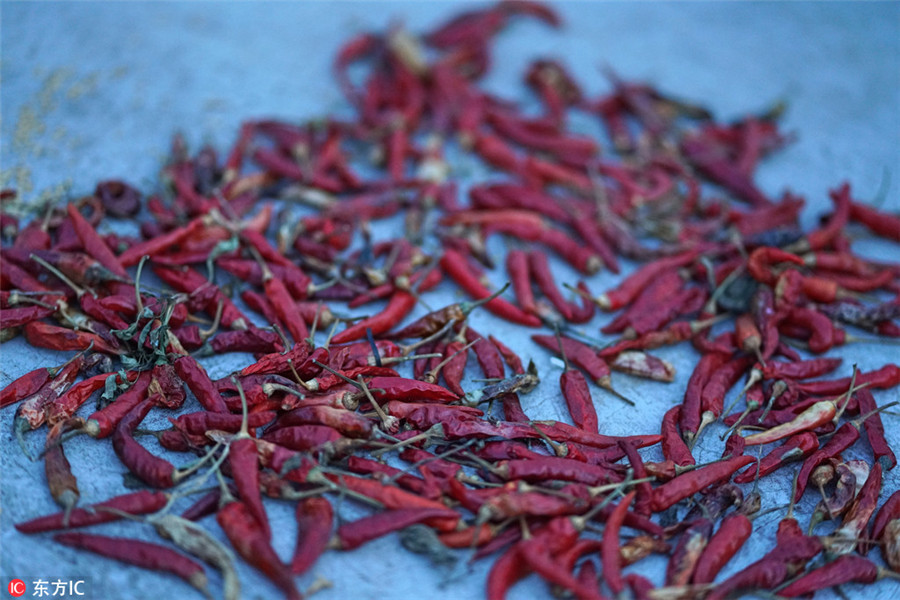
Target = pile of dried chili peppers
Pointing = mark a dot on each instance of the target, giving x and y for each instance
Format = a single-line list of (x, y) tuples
[(267, 250)]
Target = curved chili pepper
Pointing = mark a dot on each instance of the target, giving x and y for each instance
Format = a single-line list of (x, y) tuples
[(629, 289), (734, 531), (881, 223), (54, 337), (139, 553), (401, 304), (609, 551), (455, 265), (543, 277), (797, 447), (93, 244), (856, 521), (136, 503), (673, 446), (314, 519), (194, 375), (691, 408), (520, 276), (875, 430), (154, 471), (61, 482), (842, 439), (844, 569), (687, 484), (251, 543)]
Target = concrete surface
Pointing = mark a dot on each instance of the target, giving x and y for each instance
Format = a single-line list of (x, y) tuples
[(94, 90)]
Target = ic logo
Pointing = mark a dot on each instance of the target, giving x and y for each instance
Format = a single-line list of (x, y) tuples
[(16, 588)]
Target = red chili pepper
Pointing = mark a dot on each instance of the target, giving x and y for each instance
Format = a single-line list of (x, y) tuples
[(844, 569), (348, 423), (875, 430), (543, 277), (139, 553), (136, 503), (455, 265), (252, 544), (713, 395), (519, 274), (797, 447), (303, 437), (400, 305), (314, 518), (65, 406), (93, 244), (690, 420), (356, 533), (629, 289), (734, 531), (61, 482), (856, 521), (150, 469), (643, 490), (556, 468), (889, 511), (54, 337), (102, 423), (687, 484), (673, 446), (886, 377), (882, 223), (609, 552), (513, 361), (578, 399)]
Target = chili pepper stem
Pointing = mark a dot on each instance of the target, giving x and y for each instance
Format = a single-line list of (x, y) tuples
[(755, 377), (388, 422), (776, 391), (432, 375), (606, 384), (79, 292), (206, 333), (436, 430), (707, 418)]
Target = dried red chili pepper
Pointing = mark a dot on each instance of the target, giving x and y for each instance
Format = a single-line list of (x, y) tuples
[(252, 544), (609, 552), (455, 265), (844, 569), (136, 503), (731, 535), (889, 511), (691, 409), (687, 484), (139, 553), (673, 446), (314, 519), (875, 430), (856, 521), (797, 447), (195, 377), (61, 482)]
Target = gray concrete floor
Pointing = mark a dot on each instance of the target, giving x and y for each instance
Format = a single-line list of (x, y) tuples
[(94, 90)]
